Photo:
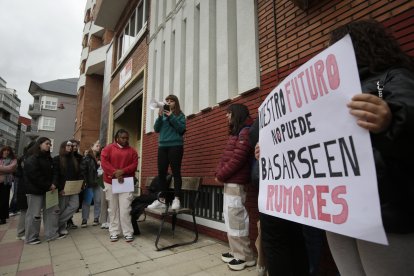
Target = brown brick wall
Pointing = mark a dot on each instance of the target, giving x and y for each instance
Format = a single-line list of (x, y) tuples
[(288, 37), (89, 112)]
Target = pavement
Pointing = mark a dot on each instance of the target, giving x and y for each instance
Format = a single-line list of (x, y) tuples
[(88, 251)]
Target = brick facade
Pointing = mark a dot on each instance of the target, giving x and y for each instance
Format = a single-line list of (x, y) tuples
[(288, 37), (88, 115)]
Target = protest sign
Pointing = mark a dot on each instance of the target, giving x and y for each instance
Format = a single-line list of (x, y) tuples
[(73, 187), (316, 164)]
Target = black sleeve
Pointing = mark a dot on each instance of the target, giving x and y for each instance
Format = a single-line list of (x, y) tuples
[(35, 175), (254, 133), (56, 173)]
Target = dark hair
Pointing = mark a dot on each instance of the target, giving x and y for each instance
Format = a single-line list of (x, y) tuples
[(62, 158), (35, 149), (74, 141), (239, 114), (375, 48), (119, 132), (28, 147), (11, 153), (177, 108)]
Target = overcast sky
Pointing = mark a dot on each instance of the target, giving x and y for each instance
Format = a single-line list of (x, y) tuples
[(40, 40)]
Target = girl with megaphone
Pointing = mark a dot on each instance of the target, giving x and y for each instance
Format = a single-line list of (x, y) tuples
[(171, 126)]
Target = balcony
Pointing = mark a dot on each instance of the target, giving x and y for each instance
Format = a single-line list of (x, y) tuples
[(108, 12), (32, 132), (95, 64), (97, 30), (81, 81), (85, 53), (34, 110)]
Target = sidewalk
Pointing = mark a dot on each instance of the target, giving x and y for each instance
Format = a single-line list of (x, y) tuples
[(88, 251)]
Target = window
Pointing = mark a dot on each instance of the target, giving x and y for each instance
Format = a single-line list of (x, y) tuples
[(49, 103), (133, 30), (47, 123)]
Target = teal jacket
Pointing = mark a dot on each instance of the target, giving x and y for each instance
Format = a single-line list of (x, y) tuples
[(171, 130)]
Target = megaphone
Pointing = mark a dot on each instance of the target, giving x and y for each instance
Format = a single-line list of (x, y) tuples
[(154, 104)]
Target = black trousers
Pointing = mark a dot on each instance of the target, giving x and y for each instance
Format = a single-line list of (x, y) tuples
[(4, 201), (170, 156), (284, 246)]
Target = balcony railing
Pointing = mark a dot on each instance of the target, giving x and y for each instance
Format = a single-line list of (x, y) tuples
[(34, 110), (32, 131)]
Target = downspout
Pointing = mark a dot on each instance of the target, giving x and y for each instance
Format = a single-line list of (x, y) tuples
[(276, 49)]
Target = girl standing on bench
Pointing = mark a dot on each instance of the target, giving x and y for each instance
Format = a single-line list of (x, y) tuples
[(233, 171), (171, 125)]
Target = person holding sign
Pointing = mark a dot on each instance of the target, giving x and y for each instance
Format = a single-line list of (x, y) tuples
[(171, 125), (233, 172), (37, 174), (89, 168), (66, 168), (118, 161), (386, 109)]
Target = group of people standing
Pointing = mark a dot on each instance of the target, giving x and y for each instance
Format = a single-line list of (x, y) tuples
[(36, 173)]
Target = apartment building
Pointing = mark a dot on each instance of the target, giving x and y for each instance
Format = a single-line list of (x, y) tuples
[(21, 139), (9, 115), (90, 88), (53, 111)]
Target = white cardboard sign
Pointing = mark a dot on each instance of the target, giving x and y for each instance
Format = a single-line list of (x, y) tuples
[(316, 163)]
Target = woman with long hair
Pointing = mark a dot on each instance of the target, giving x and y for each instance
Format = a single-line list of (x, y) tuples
[(38, 179), (386, 109), (233, 172), (65, 168), (8, 165), (89, 169), (171, 126)]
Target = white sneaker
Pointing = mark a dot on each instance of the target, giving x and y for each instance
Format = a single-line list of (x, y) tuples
[(261, 270), (105, 225), (156, 204), (175, 204)]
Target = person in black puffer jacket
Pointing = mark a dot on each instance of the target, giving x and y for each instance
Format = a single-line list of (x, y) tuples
[(386, 109), (37, 175)]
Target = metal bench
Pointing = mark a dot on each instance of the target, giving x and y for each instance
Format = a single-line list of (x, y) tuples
[(190, 191)]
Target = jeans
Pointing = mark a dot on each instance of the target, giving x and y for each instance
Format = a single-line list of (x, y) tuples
[(96, 204), (103, 218), (68, 206), (33, 218), (170, 156), (21, 225)]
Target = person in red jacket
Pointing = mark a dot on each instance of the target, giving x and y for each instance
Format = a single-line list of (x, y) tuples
[(119, 160), (233, 171)]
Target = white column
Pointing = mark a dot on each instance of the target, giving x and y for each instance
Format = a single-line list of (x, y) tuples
[(226, 50), (207, 33), (247, 46)]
